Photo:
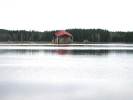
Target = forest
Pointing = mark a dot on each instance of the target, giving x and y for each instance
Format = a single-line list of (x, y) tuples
[(79, 36)]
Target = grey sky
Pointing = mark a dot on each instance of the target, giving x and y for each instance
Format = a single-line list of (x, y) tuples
[(61, 14)]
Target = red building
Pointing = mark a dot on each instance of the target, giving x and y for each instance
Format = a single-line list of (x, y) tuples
[(62, 37)]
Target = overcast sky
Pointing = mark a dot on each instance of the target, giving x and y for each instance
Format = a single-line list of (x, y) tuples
[(62, 14)]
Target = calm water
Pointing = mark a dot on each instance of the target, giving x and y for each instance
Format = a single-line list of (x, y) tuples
[(66, 74)]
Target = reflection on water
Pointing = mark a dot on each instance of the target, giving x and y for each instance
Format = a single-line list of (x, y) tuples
[(66, 52), (66, 74)]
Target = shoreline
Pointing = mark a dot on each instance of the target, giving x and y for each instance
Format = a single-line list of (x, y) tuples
[(35, 46), (75, 43)]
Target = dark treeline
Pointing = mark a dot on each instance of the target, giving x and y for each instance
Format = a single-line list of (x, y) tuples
[(79, 35)]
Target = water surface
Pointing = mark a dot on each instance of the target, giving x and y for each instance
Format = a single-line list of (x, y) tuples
[(66, 74)]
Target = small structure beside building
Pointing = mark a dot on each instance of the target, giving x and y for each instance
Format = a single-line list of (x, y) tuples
[(62, 37)]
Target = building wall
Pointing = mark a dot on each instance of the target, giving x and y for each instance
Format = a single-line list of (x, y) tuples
[(62, 40)]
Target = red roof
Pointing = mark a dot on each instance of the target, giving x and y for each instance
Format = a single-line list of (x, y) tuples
[(62, 33)]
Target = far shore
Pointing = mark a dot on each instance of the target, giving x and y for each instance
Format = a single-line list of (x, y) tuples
[(49, 43)]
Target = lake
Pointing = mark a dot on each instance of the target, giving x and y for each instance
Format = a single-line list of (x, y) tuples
[(56, 72)]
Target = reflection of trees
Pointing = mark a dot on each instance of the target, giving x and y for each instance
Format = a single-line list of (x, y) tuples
[(67, 52), (18, 51), (90, 52), (77, 52)]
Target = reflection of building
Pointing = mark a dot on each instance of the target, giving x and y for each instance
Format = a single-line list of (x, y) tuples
[(62, 37), (61, 52)]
